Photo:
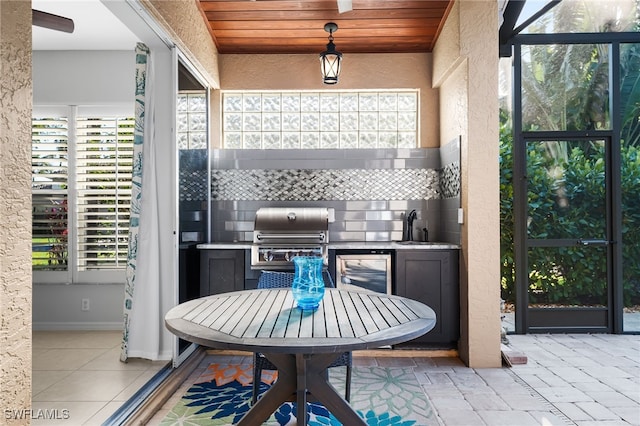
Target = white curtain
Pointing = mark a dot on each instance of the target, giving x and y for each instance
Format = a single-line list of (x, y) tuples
[(143, 304)]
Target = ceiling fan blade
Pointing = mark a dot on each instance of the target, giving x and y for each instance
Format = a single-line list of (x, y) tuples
[(344, 6), (51, 21)]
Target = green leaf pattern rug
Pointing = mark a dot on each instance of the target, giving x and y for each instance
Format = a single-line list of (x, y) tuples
[(381, 396)]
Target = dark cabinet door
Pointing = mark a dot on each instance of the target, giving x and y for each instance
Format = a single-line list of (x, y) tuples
[(431, 277), (189, 273), (221, 271)]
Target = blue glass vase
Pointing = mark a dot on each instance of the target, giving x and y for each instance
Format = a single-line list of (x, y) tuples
[(308, 285)]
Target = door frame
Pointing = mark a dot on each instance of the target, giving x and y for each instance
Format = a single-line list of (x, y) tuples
[(583, 319), (614, 316)]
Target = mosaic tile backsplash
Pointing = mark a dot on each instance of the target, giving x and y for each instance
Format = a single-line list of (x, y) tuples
[(450, 180), (370, 190), (325, 185)]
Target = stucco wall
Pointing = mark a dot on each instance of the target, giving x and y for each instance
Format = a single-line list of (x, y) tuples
[(446, 52), (480, 183), (359, 71), (15, 186), (454, 104), (466, 70), (184, 21)]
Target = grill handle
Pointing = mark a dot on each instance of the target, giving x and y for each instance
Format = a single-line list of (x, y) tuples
[(318, 236)]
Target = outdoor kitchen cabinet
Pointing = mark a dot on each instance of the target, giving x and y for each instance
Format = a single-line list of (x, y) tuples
[(221, 271), (431, 277)]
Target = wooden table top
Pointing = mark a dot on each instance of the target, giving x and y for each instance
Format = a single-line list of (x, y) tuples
[(267, 320)]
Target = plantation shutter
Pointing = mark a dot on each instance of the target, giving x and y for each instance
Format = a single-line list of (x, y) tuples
[(49, 165), (104, 148)]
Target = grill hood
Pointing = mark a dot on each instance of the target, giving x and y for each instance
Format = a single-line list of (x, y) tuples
[(274, 222), (281, 233)]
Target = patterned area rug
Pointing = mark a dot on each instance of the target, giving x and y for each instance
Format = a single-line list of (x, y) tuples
[(381, 396)]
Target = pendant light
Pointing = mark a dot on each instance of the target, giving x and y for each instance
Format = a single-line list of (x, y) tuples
[(330, 59)]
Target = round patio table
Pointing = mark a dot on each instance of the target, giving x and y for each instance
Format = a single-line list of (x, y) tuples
[(300, 343)]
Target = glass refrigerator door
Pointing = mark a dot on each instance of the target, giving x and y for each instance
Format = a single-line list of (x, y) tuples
[(368, 272)]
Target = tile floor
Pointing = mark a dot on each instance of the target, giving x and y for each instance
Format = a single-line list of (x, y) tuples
[(568, 380), (80, 371)]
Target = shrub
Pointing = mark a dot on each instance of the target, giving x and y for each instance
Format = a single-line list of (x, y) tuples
[(566, 200)]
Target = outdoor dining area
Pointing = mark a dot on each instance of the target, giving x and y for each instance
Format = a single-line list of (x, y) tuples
[(304, 332)]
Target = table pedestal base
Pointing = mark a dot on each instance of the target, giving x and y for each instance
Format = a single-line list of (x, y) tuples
[(299, 375)]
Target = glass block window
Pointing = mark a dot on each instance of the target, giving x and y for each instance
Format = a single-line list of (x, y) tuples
[(192, 120), (320, 120)]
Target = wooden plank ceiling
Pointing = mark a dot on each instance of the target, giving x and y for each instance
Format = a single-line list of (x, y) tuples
[(297, 26)]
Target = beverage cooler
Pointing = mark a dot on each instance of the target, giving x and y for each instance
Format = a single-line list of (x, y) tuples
[(370, 270)]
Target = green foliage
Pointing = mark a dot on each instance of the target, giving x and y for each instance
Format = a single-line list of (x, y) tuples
[(566, 87), (630, 93), (631, 224), (507, 223), (566, 200)]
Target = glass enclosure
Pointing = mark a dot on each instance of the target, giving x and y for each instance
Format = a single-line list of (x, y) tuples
[(565, 87), (570, 239), (581, 16), (566, 190), (567, 233), (630, 182)]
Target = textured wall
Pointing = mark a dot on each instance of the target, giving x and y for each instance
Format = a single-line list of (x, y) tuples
[(15, 185), (184, 21), (359, 71), (466, 70), (480, 186), (446, 52)]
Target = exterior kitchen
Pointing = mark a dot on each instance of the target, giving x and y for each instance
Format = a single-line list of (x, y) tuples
[(401, 204), (367, 196), (424, 207), (449, 177)]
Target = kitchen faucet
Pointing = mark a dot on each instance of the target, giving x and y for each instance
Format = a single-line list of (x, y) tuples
[(410, 218)]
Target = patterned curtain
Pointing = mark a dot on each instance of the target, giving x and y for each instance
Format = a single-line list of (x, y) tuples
[(142, 330)]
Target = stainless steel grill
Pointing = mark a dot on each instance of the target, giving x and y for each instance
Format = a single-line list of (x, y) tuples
[(281, 233)]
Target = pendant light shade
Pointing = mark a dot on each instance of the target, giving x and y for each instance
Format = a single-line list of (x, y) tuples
[(330, 59)]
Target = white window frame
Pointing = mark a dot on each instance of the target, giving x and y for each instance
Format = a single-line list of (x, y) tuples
[(72, 275)]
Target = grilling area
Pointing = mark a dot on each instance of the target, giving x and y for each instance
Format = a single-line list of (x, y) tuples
[(363, 244), (282, 233)]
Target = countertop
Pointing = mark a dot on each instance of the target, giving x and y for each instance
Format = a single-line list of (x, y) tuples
[(347, 245)]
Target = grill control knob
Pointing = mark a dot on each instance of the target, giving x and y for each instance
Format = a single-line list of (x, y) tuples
[(268, 256)]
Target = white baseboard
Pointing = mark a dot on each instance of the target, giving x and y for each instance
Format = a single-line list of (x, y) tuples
[(76, 326), (161, 356)]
